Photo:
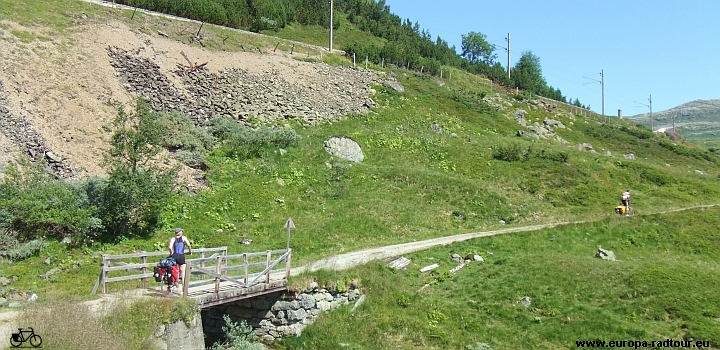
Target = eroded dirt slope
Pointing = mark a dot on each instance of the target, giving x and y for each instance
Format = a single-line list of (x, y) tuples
[(63, 89)]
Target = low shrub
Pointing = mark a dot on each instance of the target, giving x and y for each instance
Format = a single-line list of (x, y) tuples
[(239, 336), (515, 152), (510, 152), (15, 250), (247, 143)]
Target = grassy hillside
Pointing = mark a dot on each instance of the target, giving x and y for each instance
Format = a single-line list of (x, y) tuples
[(416, 183), (696, 121), (662, 286)]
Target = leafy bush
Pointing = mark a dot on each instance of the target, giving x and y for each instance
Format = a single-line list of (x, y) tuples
[(136, 190), (560, 156), (180, 133), (639, 132), (134, 201), (239, 336), (247, 143), (188, 142), (686, 151), (510, 152), (223, 127), (12, 249), (515, 152), (35, 204), (193, 159)]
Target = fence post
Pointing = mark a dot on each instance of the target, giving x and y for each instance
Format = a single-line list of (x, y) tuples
[(247, 272), (143, 270), (218, 261), (225, 261), (186, 279), (198, 33), (202, 264), (104, 277), (267, 263), (287, 264)]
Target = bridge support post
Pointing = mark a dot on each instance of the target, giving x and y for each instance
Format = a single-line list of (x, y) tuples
[(202, 264), (104, 275), (217, 271), (287, 264), (247, 268), (143, 270), (267, 264), (186, 280)]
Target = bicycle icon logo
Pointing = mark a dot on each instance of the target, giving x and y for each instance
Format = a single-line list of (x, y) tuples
[(17, 339)]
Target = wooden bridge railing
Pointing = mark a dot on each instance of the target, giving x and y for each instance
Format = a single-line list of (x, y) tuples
[(219, 264), (244, 270)]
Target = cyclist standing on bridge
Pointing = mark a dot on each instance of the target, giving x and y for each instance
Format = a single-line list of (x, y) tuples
[(177, 250)]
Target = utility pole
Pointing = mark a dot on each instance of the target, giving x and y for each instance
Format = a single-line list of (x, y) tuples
[(602, 88), (651, 118), (602, 83), (331, 25), (650, 106), (508, 52), (674, 116)]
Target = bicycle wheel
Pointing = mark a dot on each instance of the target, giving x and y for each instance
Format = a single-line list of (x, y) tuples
[(35, 340), (14, 343)]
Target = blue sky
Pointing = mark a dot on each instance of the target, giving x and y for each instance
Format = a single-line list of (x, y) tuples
[(667, 49)]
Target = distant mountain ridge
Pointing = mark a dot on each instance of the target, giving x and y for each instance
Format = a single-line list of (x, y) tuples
[(698, 121)]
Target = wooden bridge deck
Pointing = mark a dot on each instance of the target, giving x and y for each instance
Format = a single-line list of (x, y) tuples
[(209, 280), (205, 296)]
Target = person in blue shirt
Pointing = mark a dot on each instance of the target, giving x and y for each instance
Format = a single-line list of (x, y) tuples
[(177, 250)]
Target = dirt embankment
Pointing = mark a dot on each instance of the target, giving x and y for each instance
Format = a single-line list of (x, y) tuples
[(58, 96)]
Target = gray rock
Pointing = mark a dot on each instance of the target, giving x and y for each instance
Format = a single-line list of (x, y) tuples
[(358, 302), (295, 315), (394, 85), (306, 301), (524, 301), (344, 148), (605, 254), (4, 281)]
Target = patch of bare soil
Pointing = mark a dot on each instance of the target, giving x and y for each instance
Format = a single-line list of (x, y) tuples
[(66, 88)]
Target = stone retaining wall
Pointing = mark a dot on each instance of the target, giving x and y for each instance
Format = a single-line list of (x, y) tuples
[(276, 315)]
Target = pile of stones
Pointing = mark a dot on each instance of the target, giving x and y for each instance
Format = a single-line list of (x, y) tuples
[(21, 132), (246, 97)]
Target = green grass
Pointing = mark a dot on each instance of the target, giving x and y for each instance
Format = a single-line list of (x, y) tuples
[(54, 15), (662, 286), (316, 35), (417, 184), (68, 324)]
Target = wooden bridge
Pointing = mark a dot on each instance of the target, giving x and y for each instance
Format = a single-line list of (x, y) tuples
[(211, 279)]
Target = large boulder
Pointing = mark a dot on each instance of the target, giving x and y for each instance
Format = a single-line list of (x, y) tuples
[(344, 148)]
